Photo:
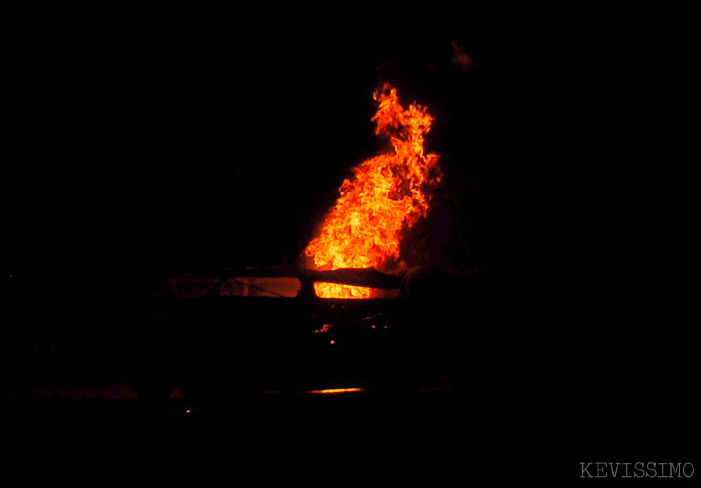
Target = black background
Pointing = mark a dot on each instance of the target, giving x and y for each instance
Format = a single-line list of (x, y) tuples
[(166, 144), (158, 143)]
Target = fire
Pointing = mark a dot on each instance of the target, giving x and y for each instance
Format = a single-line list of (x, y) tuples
[(386, 196)]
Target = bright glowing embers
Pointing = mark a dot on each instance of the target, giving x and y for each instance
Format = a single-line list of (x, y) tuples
[(386, 196)]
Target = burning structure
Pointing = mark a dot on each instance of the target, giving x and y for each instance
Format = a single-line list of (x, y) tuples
[(386, 196)]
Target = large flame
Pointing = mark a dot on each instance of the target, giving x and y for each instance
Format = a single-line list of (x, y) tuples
[(387, 195)]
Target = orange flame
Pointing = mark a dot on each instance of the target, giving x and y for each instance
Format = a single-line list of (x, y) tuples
[(386, 196)]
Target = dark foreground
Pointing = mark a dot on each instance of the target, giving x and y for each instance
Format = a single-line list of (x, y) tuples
[(456, 390), (432, 435)]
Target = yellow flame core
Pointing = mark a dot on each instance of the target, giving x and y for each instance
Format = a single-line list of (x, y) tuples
[(385, 196)]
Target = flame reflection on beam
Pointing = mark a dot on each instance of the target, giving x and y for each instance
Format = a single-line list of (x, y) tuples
[(327, 391), (334, 391)]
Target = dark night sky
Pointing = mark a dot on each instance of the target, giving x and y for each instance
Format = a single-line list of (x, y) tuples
[(176, 142), (174, 148)]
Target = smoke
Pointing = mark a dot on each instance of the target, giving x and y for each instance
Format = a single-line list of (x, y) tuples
[(435, 58), (461, 59)]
